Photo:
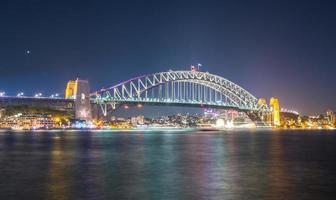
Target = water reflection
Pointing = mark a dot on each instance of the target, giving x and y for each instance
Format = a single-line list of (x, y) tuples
[(277, 174), (150, 165), (59, 179)]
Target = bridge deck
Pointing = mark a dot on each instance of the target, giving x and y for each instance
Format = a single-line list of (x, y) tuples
[(41, 102)]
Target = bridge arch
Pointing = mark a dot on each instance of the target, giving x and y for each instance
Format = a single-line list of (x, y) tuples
[(179, 87)]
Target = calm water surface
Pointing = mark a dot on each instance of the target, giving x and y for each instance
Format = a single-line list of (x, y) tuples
[(168, 165)]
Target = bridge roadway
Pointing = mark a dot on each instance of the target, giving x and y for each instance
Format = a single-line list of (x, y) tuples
[(162, 103), (68, 105), (63, 104), (59, 104)]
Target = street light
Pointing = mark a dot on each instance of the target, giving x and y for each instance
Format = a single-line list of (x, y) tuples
[(54, 96), (2, 94), (38, 95), (20, 94)]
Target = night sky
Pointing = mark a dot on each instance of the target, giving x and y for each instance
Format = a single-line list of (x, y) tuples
[(271, 48)]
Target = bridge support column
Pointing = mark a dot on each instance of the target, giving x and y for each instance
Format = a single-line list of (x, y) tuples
[(258, 118), (113, 105), (104, 109)]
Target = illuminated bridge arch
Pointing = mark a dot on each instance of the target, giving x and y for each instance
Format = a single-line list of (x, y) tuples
[(179, 88)]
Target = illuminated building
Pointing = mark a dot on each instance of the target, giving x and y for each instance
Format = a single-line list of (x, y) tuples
[(139, 120), (275, 107), (134, 121), (299, 121), (2, 112), (220, 123), (79, 90), (331, 117), (27, 121)]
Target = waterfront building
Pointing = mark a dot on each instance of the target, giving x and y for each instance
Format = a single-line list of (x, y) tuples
[(138, 120), (27, 121), (331, 118), (2, 112)]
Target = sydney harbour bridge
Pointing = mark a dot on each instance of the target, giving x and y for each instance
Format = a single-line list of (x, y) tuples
[(189, 88), (178, 88)]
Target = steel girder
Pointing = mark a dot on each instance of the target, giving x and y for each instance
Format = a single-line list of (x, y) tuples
[(132, 89)]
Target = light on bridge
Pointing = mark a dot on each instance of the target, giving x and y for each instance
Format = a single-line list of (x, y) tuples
[(54, 95), (20, 94), (38, 95), (139, 105), (126, 106)]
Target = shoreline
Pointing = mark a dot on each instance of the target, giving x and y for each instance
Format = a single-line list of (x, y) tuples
[(162, 129)]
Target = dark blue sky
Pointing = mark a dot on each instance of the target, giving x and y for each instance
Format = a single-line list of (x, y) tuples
[(281, 48)]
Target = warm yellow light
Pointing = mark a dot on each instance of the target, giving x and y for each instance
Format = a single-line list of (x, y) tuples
[(275, 105), (220, 123), (70, 89)]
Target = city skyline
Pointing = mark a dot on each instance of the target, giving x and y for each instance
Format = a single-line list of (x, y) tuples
[(167, 99), (271, 49)]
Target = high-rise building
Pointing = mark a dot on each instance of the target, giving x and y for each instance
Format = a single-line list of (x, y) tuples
[(275, 107), (139, 120), (331, 117), (79, 90), (2, 112)]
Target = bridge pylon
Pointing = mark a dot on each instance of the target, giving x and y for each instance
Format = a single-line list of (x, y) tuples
[(79, 90)]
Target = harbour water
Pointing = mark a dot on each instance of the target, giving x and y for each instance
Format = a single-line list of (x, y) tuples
[(256, 164)]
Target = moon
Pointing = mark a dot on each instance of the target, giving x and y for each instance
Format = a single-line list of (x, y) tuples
[(28, 52)]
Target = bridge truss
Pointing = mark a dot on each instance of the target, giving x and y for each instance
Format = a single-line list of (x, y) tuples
[(185, 88)]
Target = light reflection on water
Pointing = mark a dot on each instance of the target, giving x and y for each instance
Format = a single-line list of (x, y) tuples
[(168, 165)]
